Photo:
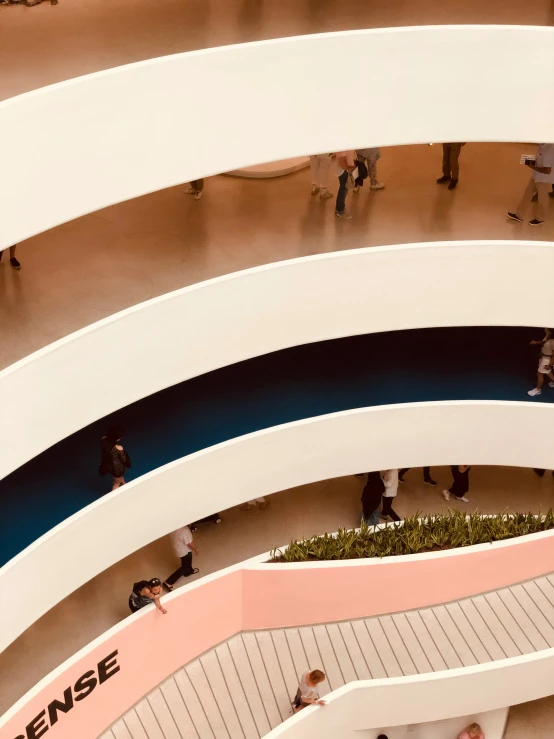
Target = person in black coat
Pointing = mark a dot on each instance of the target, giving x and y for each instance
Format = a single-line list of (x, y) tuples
[(371, 498), (460, 483)]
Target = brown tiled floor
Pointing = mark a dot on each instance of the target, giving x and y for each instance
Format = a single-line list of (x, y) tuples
[(46, 44), (89, 268)]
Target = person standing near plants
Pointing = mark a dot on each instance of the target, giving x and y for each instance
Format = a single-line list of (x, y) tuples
[(460, 483), (371, 498), (390, 480)]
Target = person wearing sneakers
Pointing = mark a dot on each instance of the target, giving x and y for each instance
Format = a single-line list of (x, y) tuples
[(346, 163), (542, 179), (184, 546), (460, 483), (319, 167), (390, 479), (450, 166), (371, 156), (262, 502), (546, 360), (196, 188), (13, 261)]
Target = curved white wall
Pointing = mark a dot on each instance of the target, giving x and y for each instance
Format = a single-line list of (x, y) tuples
[(96, 140), (262, 463), (69, 384), (363, 705)]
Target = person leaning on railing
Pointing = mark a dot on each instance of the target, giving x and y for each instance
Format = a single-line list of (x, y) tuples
[(307, 694)]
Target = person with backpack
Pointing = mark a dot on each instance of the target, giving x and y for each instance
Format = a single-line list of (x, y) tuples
[(114, 459)]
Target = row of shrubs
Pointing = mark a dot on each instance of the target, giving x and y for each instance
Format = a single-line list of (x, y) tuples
[(414, 535)]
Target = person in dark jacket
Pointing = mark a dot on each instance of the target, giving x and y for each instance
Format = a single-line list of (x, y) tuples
[(114, 459), (145, 592), (460, 483), (371, 498)]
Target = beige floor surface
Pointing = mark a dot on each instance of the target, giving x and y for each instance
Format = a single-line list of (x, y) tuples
[(316, 508), (94, 266), (533, 720), (46, 44)]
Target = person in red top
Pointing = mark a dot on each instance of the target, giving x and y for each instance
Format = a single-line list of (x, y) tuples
[(345, 164)]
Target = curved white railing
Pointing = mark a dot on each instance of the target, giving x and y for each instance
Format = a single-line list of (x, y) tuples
[(262, 463), (97, 140), (254, 595), (186, 333), (419, 699)]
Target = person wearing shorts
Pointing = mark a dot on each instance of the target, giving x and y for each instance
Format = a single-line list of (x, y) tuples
[(545, 365)]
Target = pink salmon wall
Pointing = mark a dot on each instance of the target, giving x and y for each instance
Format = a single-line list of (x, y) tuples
[(296, 595), (152, 646)]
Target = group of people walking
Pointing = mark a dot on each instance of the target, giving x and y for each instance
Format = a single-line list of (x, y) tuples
[(354, 166), (381, 489)]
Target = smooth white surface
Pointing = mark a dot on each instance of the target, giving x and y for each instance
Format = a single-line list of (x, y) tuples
[(356, 708), (90, 142), (172, 338), (262, 463)]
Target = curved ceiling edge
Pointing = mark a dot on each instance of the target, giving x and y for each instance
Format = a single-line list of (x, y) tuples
[(92, 148), (282, 457), (189, 332)]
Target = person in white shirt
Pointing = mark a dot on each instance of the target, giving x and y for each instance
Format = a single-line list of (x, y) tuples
[(184, 546), (307, 693), (319, 167), (390, 478), (546, 360), (540, 183)]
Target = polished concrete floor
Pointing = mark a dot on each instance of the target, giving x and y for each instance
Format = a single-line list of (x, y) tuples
[(533, 720), (316, 508), (94, 266), (45, 44)]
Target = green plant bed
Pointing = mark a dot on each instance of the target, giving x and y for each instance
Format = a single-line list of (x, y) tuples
[(415, 535)]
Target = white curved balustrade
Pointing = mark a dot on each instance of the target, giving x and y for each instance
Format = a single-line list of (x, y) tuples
[(262, 463), (103, 138), (186, 333)]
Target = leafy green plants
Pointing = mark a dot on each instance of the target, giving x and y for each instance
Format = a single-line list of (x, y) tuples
[(414, 535)]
